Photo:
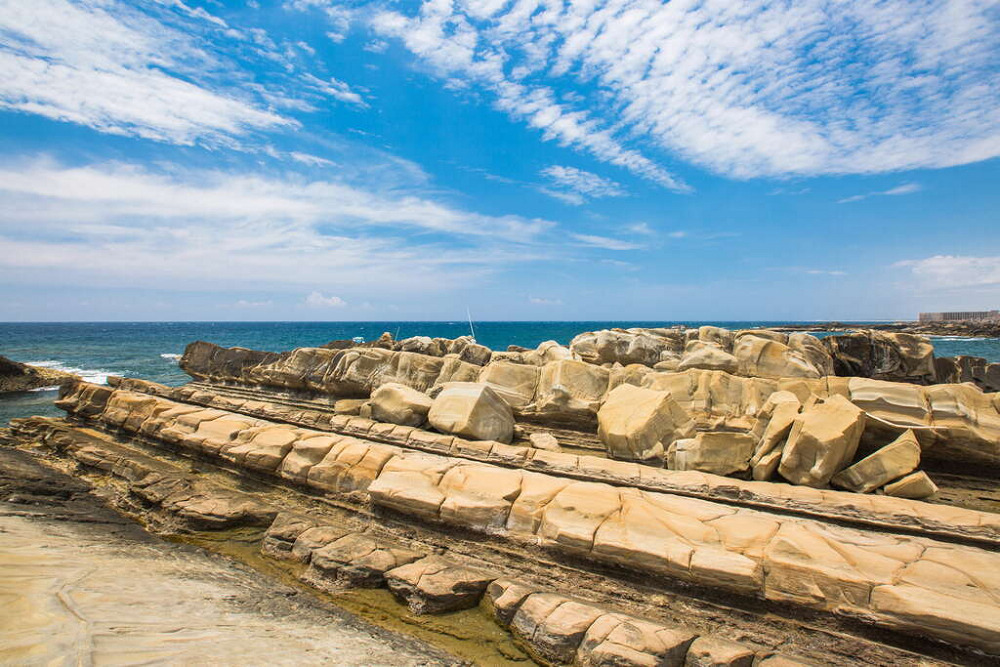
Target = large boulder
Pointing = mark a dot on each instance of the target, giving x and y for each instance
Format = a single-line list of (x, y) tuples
[(707, 356), (718, 453), (760, 357), (639, 424), (516, 383), (896, 459), (634, 346), (472, 411), (915, 485), (881, 355), (571, 391), (398, 404), (823, 440)]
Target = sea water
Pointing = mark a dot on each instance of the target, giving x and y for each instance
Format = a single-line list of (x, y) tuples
[(150, 350)]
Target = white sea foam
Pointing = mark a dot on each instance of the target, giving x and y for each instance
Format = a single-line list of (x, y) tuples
[(94, 376), (170, 356)]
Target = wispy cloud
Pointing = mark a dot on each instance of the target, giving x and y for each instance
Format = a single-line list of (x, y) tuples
[(319, 300), (337, 89), (904, 189), (244, 230), (245, 303), (954, 271), (576, 185), (747, 89), (606, 242), (539, 301), (107, 67)]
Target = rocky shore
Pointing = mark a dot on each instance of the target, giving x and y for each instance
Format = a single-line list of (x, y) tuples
[(977, 328), (640, 497), (15, 376)]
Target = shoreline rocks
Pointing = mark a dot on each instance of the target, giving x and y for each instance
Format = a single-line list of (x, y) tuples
[(16, 376)]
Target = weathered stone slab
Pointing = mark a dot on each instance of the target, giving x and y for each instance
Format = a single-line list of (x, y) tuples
[(434, 585)]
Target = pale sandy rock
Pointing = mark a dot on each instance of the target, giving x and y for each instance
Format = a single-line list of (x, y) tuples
[(505, 597), (359, 560), (633, 374), (478, 496), (893, 461), (409, 482), (717, 335), (545, 441), (572, 516), (434, 585), (553, 626), (515, 383), (619, 346), (306, 453), (823, 440), (281, 535), (762, 469), (639, 424), (398, 404), (313, 538), (766, 334), (422, 345), (717, 453), (813, 350), (760, 357), (717, 652), (571, 390), (349, 406), (708, 357), (472, 411), (916, 485), (550, 350), (618, 639), (774, 423)]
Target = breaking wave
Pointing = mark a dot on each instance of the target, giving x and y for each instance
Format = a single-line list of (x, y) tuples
[(94, 376), (170, 356)]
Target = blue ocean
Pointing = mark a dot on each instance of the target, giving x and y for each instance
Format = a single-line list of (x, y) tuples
[(150, 350)]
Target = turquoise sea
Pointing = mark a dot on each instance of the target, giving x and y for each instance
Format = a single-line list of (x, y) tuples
[(150, 350)]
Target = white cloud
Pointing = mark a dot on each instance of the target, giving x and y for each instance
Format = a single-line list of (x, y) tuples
[(954, 271), (337, 89), (605, 242), (576, 185), (904, 189), (540, 301), (106, 67), (244, 303), (678, 234), (310, 160), (641, 228), (119, 223), (746, 89), (317, 300)]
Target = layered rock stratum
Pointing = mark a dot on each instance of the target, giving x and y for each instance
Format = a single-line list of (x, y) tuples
[(639, 497)]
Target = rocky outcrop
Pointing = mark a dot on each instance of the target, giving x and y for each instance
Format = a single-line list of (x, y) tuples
[(822, 441), (898, 357), (639, 424), (398, 404), (15, 376), (891, 579), (472, 411), (893, 461), (976, 370)]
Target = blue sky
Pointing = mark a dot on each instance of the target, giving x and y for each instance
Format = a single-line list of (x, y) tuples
[(527, 159)]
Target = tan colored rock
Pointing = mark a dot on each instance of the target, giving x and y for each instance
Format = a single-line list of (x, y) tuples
[(472, 411), (760, 357), (545, 441), (618, 639), (916, 485), (717, 453), (708, 357), (639, 424), (505, 597), (893, 461), (358, 560), (635, 346), (434, 585), (823, 440), (553, 626), (281, 535), (398, 404), (717, 652), (479, 497), (515, 383), (721, 337), (763, 468), (571, 391), (774, 423)]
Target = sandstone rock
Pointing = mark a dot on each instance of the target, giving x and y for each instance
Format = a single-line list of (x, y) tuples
[(504, 597), (893, 461), (762, 469), (882, 356), (721, 337), (617, 639), (398, 404), (422, 345), (774, 422), (434, 585), (823, 440), (472, 411), (708, 357), (813, 350), (639, 424), (281, 535), (571, 391), (716, 652), (717, 453), (946, 370), (916, 485), (515, 383), (313, 538), (359, 560), (349, 406), (545, 441), (624, 347), (760, 357), (15, 376), (548, 351), (553, 626)]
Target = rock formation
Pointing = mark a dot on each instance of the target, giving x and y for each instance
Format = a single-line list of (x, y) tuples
[(15, 376), (561, 489)]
